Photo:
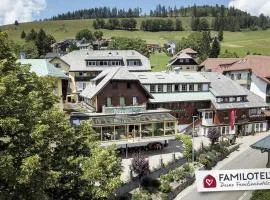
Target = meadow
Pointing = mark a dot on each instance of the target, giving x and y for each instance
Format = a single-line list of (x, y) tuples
[(239, 42)]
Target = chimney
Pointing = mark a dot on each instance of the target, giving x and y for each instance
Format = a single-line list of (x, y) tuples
[(177, 70)]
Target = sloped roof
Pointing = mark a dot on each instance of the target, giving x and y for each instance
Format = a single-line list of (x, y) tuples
[(260, 65), (76, 59), (253, 101), (43, 67), (223, 86), (170, 77), (189, 51), (117, 73), (214, 64), (180, 56), (263, 144)]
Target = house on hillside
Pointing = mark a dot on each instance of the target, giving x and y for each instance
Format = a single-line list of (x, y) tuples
[(84, 65), (44, 68), (183, 62), (217, 64), (62, 46)]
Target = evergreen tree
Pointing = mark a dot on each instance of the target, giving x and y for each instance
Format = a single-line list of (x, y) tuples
[(215, 50), (220, 35), (178, 25), (23, 35), (31, 36)]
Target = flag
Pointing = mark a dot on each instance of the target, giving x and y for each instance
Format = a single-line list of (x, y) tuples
[(232, 118)]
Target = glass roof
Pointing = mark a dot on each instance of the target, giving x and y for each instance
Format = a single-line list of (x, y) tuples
[(126, 119)]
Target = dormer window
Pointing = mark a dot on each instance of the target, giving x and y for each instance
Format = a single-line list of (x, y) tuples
[(226, 99)]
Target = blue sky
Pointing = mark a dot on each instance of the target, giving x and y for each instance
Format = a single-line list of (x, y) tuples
[(29, 10), (55, 7)]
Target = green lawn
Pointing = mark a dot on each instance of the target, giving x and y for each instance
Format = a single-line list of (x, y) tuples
[(159, 61), (240, 42)]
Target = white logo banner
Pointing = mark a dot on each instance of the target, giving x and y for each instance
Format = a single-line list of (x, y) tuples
[(228, 180)]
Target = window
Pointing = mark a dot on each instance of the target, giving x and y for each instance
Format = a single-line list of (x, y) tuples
[(114, 85), (128, 85), (122, 101), (176, 88), (187, 60), (232, 99), (253, 111), (184, 87), (223, 130), (199, 87), (80, 73), (152, 88), (113, 63), (169, 88), (109, 101), (238, 76), (84, 85), (160, 88), (208, 115), (57, 65), (232, 76), (191, 87), (226, 99), (135, 101), (181, 60)]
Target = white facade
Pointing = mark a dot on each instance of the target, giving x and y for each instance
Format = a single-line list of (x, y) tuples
[(258, 86)]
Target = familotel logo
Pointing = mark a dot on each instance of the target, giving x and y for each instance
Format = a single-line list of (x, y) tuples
[(229, 180), (209, 182)]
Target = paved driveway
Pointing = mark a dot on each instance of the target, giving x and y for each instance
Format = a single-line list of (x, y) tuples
[(154, 157)]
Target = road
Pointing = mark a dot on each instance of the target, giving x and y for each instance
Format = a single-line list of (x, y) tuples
[(244, 158)]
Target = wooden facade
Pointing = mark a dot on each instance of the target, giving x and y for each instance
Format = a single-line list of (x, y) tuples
[(116, 89)]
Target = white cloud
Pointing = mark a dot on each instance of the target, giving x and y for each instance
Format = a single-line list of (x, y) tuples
[(254, 7), (21, 10)]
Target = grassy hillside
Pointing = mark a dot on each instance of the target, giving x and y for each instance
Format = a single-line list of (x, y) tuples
[(240, 42)]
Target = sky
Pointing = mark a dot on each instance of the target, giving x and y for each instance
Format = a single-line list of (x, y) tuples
[(29, 10)]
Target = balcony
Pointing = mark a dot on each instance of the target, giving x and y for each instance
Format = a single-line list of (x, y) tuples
[(124, 109), (83, 78)]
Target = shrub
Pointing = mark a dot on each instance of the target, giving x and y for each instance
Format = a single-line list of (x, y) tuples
[(165, 187), (140, 165), (141, 195), (178, 174), (146, 182), (203, 159), (186, 167), (167, 177), (224, 143), (213, 135), (187, 144), (155, 183)]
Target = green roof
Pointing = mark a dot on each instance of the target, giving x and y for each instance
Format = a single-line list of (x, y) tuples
[(43, 67), (263, 144), (131, 119)]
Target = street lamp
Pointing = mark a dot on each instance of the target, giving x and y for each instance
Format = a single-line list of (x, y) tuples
[(193, 120)]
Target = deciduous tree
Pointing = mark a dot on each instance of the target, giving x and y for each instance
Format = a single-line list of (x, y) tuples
[(41, 155)]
